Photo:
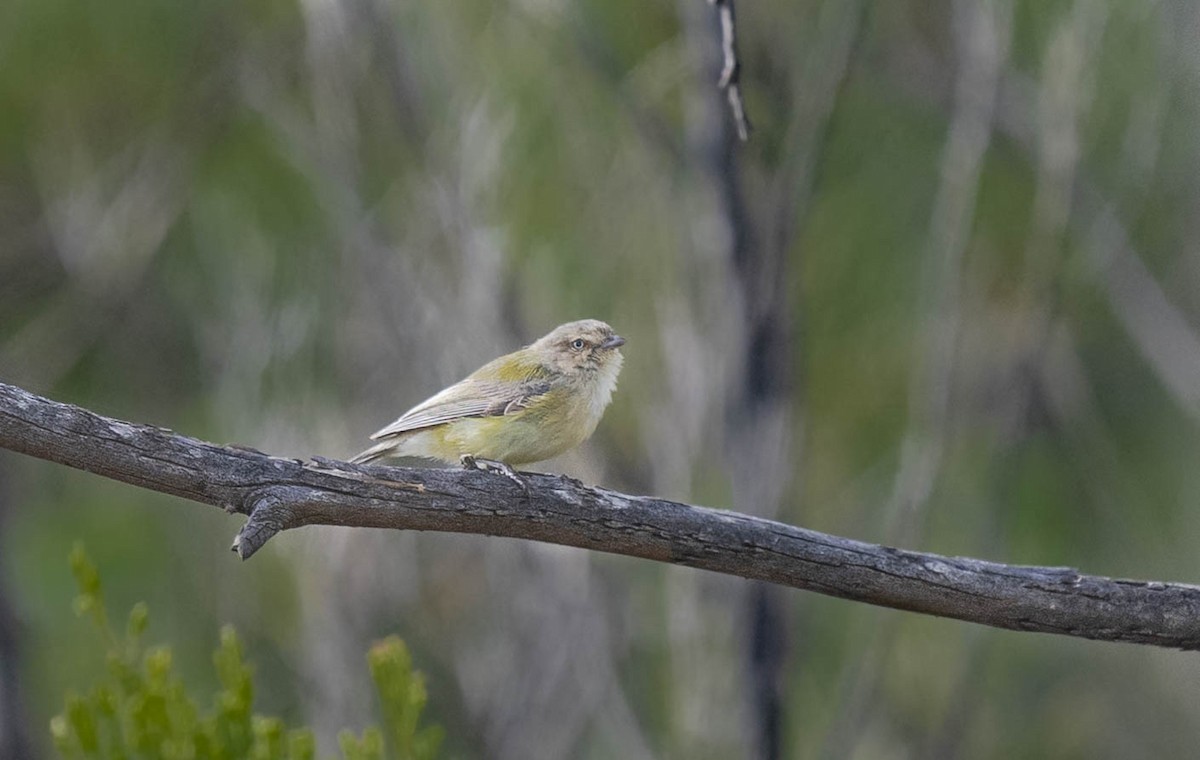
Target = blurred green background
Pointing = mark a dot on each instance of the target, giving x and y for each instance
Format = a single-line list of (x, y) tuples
[(947, 297)]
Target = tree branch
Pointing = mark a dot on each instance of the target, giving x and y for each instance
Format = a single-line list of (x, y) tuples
[(280, 494)]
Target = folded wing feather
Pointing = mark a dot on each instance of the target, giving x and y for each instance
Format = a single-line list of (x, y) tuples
[(469, 398)]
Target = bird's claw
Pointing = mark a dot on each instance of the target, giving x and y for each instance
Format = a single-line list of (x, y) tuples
[(491, 465)]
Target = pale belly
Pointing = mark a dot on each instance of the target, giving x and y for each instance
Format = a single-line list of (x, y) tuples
[(514, 439)]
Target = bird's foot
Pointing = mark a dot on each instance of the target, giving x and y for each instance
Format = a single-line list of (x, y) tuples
[(491, 465)]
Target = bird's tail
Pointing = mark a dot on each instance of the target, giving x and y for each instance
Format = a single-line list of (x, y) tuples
[(378, 451)]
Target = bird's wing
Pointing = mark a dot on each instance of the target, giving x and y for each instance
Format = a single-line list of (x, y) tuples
[(469, 398)]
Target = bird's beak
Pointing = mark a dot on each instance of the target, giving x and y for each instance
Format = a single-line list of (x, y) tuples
[(614, 341)]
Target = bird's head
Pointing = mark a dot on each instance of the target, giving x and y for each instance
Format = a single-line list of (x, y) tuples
[(588, 345)]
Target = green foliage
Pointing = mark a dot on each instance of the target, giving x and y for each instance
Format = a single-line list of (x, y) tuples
[(402, 697), (142, 710)]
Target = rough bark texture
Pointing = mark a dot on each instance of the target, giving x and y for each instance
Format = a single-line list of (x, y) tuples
[(279, 494)]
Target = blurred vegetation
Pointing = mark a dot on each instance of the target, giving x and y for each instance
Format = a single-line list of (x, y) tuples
[(143, 709), (281, 223)]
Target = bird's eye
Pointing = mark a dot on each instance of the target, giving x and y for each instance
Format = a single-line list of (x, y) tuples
[(577, 344)]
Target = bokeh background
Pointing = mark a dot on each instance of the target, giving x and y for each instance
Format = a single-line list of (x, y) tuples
[(947, 297)]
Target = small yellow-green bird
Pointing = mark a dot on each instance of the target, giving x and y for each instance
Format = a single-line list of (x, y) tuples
[(530, 405)]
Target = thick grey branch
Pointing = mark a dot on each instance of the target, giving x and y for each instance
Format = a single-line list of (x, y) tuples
[(279, 494)]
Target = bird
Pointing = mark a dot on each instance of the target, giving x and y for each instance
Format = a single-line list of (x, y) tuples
[(527, 406)]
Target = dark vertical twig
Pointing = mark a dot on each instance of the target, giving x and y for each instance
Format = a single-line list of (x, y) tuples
[(768, 650), (757, 433), (764, 413), (731, 71)]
